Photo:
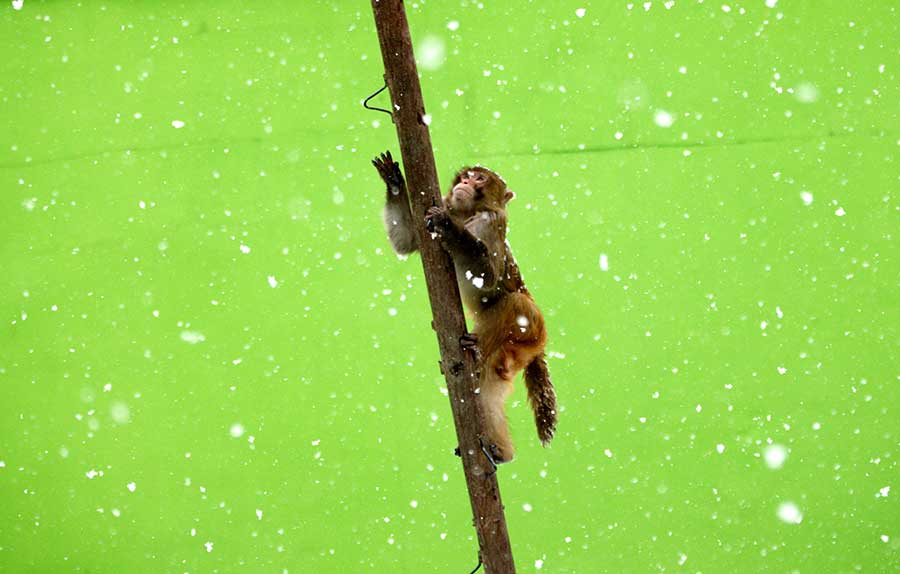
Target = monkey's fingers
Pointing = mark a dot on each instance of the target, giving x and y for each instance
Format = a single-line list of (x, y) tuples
[(489, 451), (388, 160), (469, 342)]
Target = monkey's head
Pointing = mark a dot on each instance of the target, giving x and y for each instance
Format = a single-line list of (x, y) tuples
[(477, 189)]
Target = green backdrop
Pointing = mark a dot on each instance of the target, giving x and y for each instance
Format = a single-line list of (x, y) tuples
[(210, 361)]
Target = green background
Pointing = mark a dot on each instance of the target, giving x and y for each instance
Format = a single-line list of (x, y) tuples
[(210, 361)]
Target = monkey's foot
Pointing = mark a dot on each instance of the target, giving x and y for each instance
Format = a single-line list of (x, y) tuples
[(469, 342), (488, 454), (497, 454)]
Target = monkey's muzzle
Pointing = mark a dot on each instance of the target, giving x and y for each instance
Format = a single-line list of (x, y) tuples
[(463, 191)]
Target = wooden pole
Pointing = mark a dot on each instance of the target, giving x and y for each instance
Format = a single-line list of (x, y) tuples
[(458, 366)]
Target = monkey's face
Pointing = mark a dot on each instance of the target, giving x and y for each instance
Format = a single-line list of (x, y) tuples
[(476, 189)]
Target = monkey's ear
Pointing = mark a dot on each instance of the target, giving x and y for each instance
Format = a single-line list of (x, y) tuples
[(508, 196)]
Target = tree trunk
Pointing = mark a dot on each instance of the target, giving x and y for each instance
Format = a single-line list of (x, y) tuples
[(458, 366)]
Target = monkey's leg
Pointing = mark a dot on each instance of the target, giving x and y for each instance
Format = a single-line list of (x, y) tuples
[(494, 391)]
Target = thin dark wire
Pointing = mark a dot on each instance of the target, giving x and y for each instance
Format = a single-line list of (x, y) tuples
[(368, 107), (479, 564)]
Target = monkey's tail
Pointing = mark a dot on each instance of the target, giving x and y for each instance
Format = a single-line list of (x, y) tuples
[(542, 397)]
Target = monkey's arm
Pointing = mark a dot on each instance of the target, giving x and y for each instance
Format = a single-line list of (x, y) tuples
[(397, 215), (477, 247)]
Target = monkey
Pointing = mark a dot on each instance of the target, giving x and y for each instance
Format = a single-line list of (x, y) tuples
[(509, 334)]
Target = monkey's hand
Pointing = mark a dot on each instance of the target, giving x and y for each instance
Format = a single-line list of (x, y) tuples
[(389, 170), (437, 219)]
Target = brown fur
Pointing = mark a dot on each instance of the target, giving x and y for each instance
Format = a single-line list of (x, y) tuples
[(509, 327)]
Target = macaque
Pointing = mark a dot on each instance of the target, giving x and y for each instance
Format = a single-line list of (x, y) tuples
[(509, 333)]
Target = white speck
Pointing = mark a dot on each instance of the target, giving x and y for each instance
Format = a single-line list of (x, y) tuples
[(604, 262), (816, 426), (781, 370), (779, 313), (580, 12), (789, 512), (806, 93), (453, 25), (682, 69), (526, 507), (237, 361), (208, 545), (538, 564), (258, 514), (726, 8), (116, 512), (131, 486), (478, 282), (392, 311), (431, 53), (91, 474), (413, 503), (273, 283), (120, 412), (883, 492), (663, 119), (142, 205), (426, 119), (17, 4), (522, 321), (682, 558), (763, 325), (720, 448), (245, 249), (608, 453), (775, 455), (236, 430), (177, 124), (192, 337), (618, 135), (885, 538), (698, 408), (771, 3), (840, 212)]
